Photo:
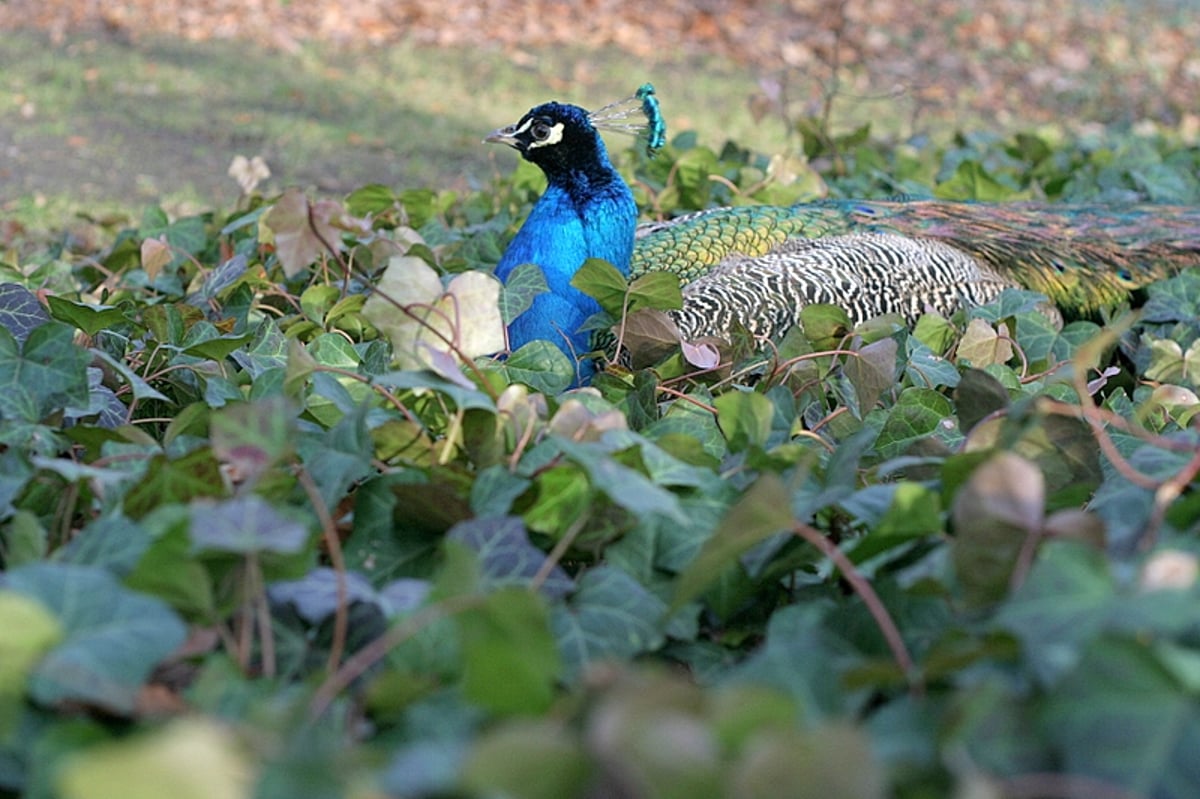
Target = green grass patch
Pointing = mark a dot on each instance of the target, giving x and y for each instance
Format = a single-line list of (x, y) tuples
[(100, 119)]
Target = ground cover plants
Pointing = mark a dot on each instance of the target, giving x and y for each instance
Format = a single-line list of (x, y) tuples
[(265, 533)]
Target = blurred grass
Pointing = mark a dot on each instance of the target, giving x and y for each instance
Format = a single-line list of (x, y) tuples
[(104, 125)]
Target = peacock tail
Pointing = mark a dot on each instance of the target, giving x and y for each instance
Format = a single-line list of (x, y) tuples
[(756, 267), (1082, 257)]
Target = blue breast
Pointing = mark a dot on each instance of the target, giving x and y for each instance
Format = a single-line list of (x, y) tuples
[(564, 229)]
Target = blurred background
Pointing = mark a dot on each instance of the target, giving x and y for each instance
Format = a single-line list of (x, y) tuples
[(118, 104)]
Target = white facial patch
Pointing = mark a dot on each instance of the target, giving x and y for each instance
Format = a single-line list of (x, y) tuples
[(554, 137)]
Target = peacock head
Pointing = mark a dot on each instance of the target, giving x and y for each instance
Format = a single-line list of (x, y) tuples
[(562, 138), (557, 137)]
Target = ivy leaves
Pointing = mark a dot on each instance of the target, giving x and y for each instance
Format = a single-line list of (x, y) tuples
[(271, 482)]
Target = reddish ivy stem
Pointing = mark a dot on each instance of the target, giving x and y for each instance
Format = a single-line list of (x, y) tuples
[(809, 356), (244, 630), (259, 614), (522, 442), (697, 373), (1165, 491), (829, 447), (378, 389), (1066, 786), (679, 395), (1108, 417), (829, 417), (341, 618), (1019, 350), (748, 191), (337, 256), (556, 554), (621, 324), (1025, 557), (1095, 421), (361, 661), (875, 606), (1168, 492), (1042, 375)]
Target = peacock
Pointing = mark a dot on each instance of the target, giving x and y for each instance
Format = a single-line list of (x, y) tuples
[(757, 266)]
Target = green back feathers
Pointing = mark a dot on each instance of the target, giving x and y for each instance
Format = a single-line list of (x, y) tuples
[(691, 245)]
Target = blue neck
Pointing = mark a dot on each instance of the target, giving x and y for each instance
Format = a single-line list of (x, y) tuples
[(585, 213)]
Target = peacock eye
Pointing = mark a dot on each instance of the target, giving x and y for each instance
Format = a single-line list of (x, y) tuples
[(540, 131)]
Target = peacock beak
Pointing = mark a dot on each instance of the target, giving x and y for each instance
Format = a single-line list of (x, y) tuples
[(506, 135)]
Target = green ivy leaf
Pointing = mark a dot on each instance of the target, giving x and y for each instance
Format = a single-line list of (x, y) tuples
[(91, 319), (995, 514), (534, 759), (541, 366), (872, 372), (915, 511), (48, 373), (744, 418), (935, 332), (972, 181), (762, 511), (625, 486), (181, 480), (190, 758), (30, 630), (798, 658), (656, 290), (112, 637), (977, 396), (205, 341), (523, 284), (918, 414), (982, 345), (115, 542), (373, 198), (1122, 685), (610, 616), (601, 281), (1174, 300), (245, 525), (510, 661), (1011, 302), (927, 369), (824, 325), (20, 311), (506, 558), (835, 759)]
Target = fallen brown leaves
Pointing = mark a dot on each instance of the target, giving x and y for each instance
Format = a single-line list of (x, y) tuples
[(1135, 60)]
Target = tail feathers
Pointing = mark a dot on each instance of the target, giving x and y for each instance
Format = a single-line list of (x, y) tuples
[(758, 265), (867, 274), (1084, 257)]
